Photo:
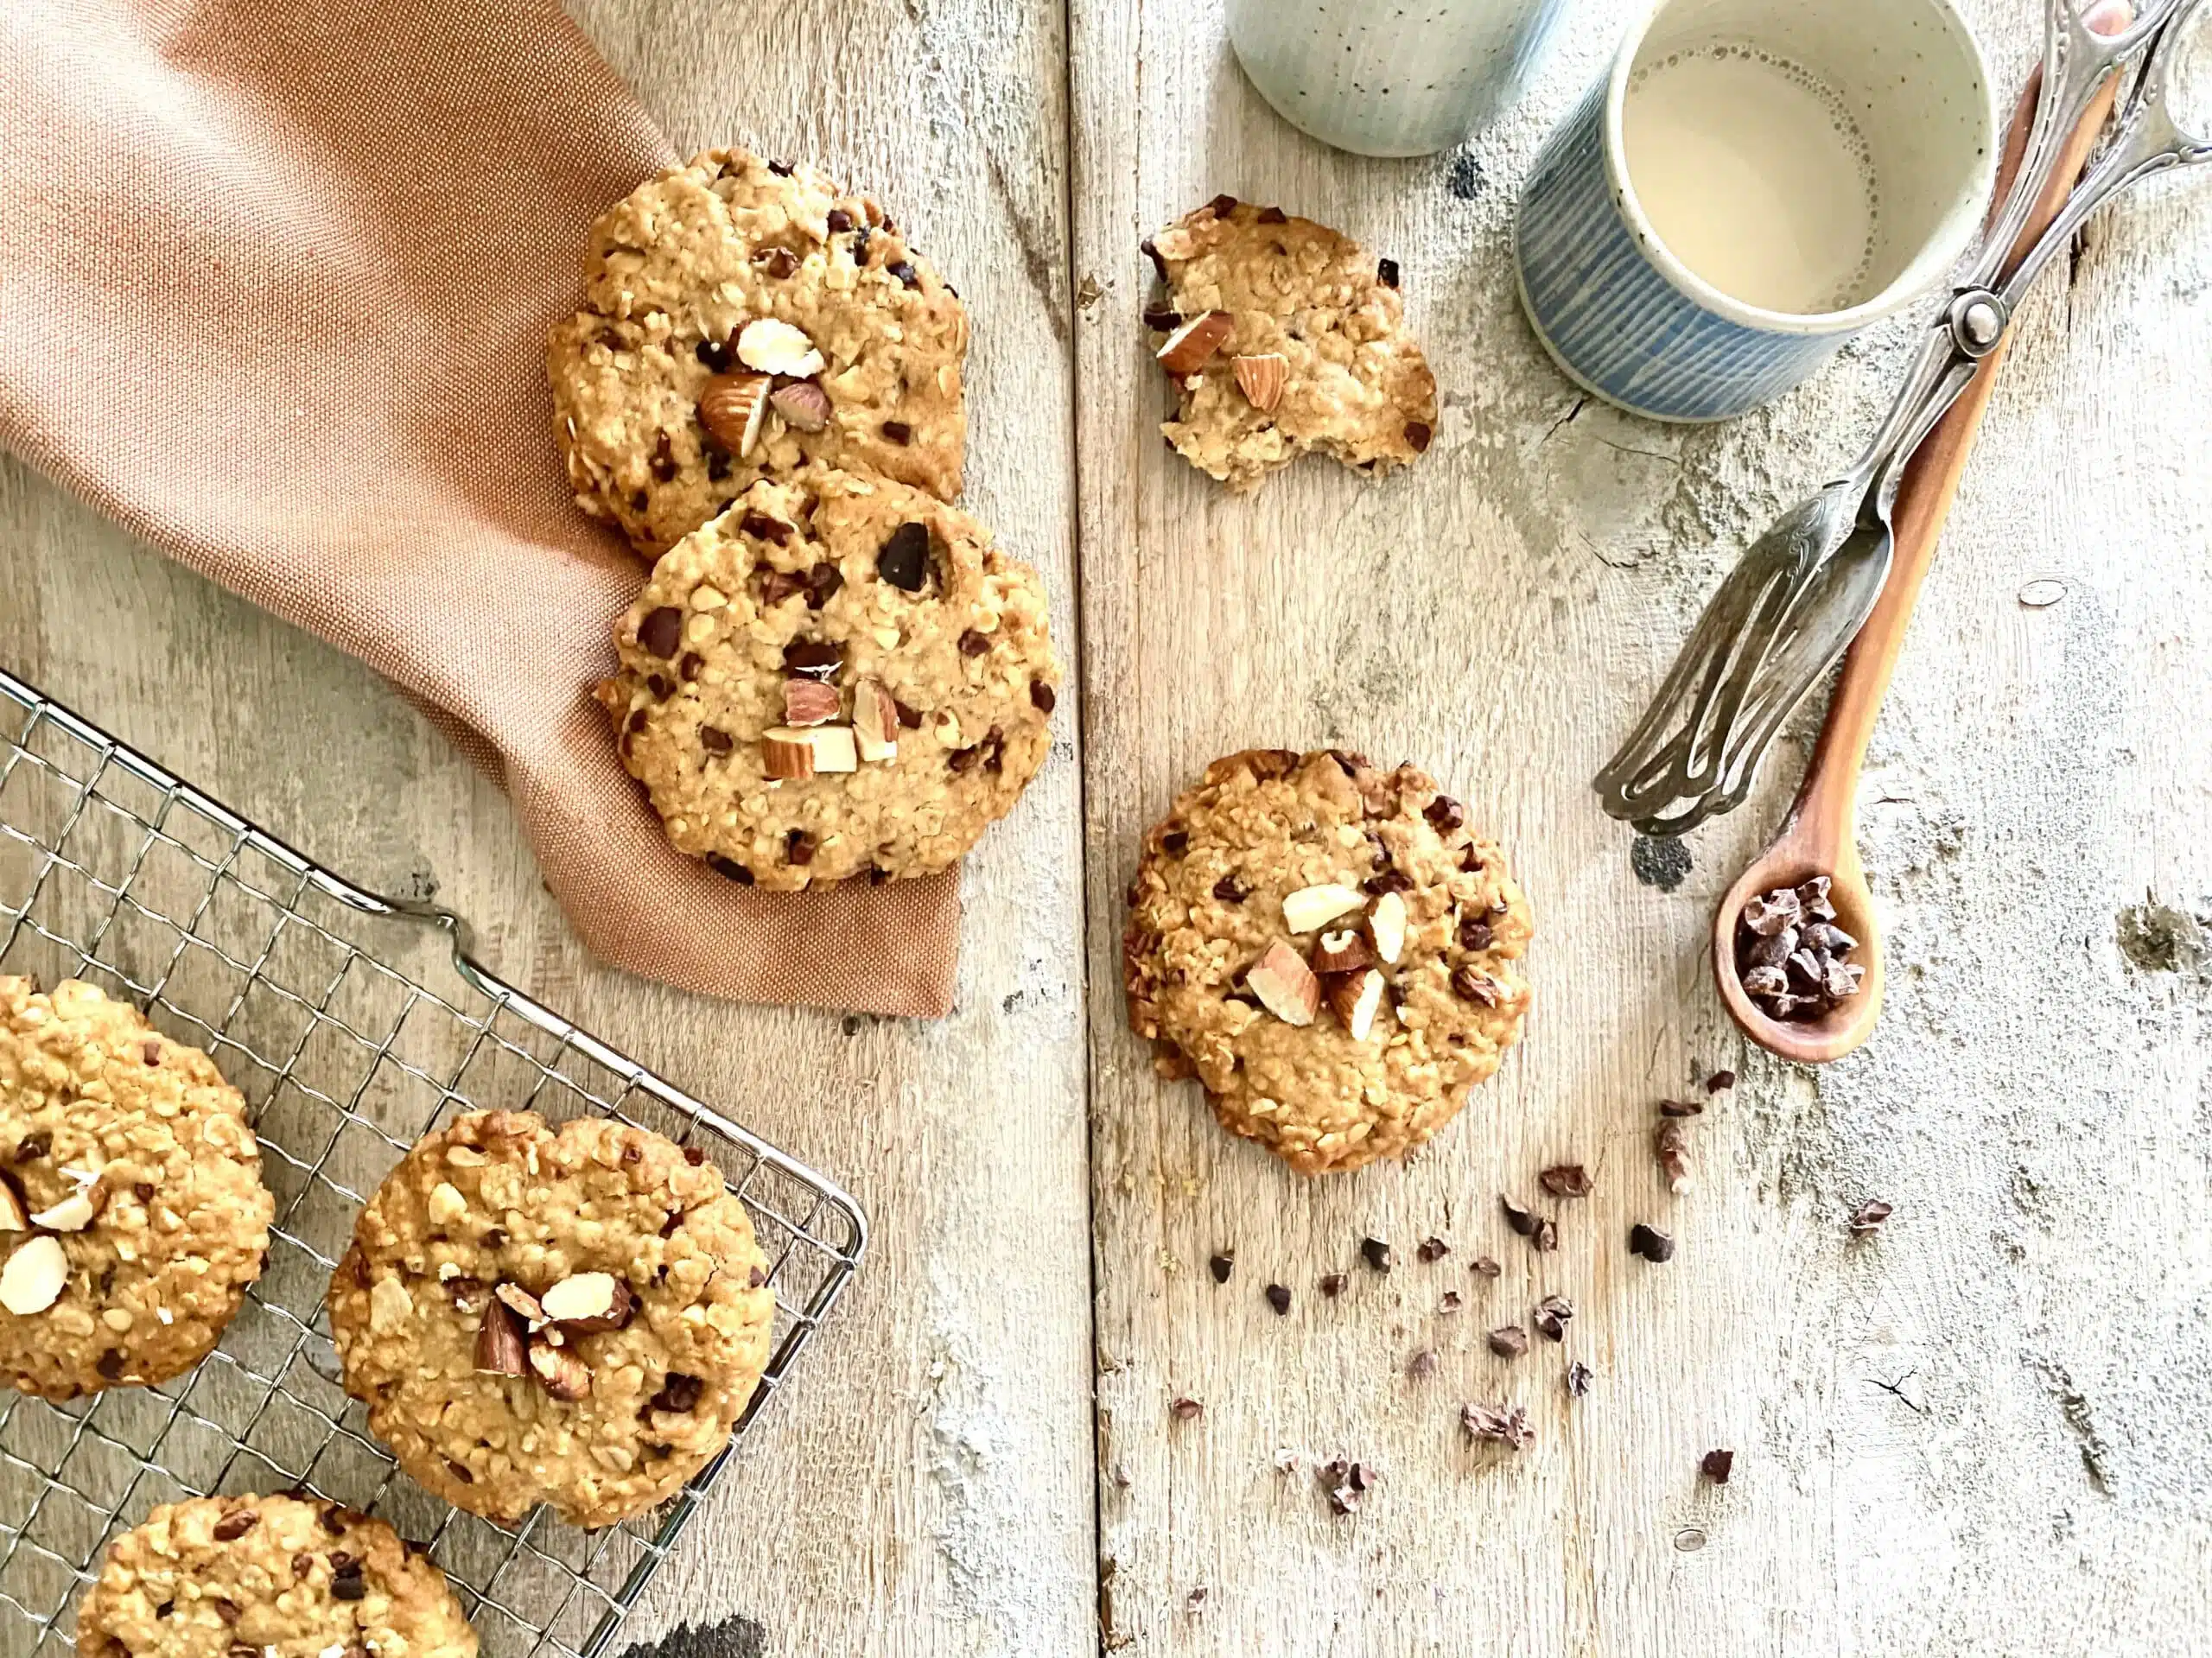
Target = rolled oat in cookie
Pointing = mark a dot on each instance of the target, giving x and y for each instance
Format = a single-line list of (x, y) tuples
[(576, 1316), (839, 677), (1328, 948), (132, 1215), (1284, 336), (246, 1577), (742, 317)]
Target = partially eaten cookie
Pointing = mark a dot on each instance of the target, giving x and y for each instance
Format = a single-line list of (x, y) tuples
[(1284, 336)]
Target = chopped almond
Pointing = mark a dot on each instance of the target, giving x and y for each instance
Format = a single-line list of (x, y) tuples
[(1286, 987), (1341, 952), (732, 409), (1193, 345), (1354, 997), (810, 703), (875, 721), (1386, 923), (1261, 379), (787, 753), (1316, 906)]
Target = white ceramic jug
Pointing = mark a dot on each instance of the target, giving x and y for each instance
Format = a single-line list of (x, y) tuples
[(1391, 77)]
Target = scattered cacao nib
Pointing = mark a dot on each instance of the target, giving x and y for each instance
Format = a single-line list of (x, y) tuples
[(798, 847), (715, 741), (1222, 1265), (1717, 1466), (903, 561), (1174, 842), (1519, 1219), (1419, 436), (1375, 1254), (1720, 1082), (1222, 206), (910, 718), (347, 1582), (1159, 265), (821, 584), (1186, 1410), (761, 527), (232, 1527), (1672, 1148), (662, 690), (905, 273), (688, 665), (1470, 986), (778, 263), (781, 169), (1385, 272), (838, 219), (713, 355), (1509, 1341), (1505, 1425), (1484, 1264), (33, 1147), (680, 1393), (1449, 1302), (1444, 814), (729, 868), (1682, 1107), (1551, 1316), (897, 431), (1332, 1285), (814, 658), (1566, 1180), (1870, 1216), (1650, 1243), (1578, 1379), (695, 1155), (1422, 1363), (973, 644), (1273, 216), (963, 760), (1042, 697), (1545, 1239), (1161, 321), (1278, 1299), (1229, 889), (110, 1364), (1474, 934), (1432, 1250), (1346, 1482), (661, 632)]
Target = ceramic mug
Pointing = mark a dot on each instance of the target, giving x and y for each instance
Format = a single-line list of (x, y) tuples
[(1753, 182), (1391, 77)]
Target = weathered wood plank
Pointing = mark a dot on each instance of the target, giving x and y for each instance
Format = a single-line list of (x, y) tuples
[(1498, 615), (927, 1486)]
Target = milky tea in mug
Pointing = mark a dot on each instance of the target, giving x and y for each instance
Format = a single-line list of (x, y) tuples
[(1754, 176), (1752, 183)]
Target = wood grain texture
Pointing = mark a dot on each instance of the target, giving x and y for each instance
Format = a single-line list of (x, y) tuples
[(2038, 1104), (1498, 615)]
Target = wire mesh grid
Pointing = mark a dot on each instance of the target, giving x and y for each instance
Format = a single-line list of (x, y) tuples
[(352, 1025)]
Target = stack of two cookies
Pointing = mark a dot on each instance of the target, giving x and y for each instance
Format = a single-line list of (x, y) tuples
[(831, 672), (576, 1316)]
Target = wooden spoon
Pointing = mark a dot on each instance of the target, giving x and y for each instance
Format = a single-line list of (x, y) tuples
[(1820, 835)]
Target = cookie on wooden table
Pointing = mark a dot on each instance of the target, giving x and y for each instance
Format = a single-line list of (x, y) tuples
[(232, 1576), (839, 677), (576, 1316), (741, 316), (132, 1215), (1284, 337), (1329, 949)]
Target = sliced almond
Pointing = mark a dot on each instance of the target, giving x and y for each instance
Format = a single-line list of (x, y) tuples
[(787, 751), (1261, 379), (499, 1344), (732, 409), (832, 749), (580, 1296), (72, 1213), (774, 346), (804, 405), (34, 1277), (1316, 906), (1341, 952), (525, 1305), (1386, 923), (875, 721), (561, 1373), (12, 1218), (1286, 987), (1353, 998), (1190, 348), (810, 703)]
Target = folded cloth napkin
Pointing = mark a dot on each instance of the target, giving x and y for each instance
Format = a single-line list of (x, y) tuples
[(275, 279)]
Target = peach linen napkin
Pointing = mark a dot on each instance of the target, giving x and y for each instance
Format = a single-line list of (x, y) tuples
[(275, 279)]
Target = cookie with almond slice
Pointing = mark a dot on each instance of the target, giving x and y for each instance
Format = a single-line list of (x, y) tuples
[(841, 676), (1329, 949), (133, 1218), (742, 317), (1283, 336), (575, 1315)]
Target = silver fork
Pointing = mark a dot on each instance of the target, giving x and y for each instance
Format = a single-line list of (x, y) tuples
[(1799, 595)]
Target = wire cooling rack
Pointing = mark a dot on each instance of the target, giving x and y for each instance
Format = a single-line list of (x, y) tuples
[(354, 1025)]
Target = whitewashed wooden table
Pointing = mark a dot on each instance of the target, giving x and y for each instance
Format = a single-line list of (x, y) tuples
[(1988, 1430)]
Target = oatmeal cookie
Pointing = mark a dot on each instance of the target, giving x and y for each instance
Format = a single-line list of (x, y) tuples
[(132, 1215), (840, 675), (272, 1577), (1328, 948), (1284, 337), (733, 283), (576, 1316)]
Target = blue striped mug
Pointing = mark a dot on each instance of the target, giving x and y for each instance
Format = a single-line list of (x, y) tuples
[(1753, 183)]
